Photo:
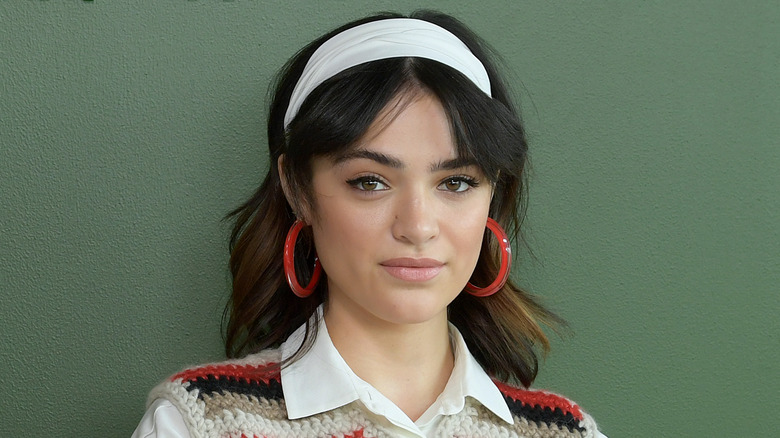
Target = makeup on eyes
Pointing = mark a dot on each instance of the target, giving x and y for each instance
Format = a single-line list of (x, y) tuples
[(373, 183)]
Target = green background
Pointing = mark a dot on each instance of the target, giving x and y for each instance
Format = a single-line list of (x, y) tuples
[(128, 129)]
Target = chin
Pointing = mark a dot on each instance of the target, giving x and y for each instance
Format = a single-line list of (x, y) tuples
[(413, 310)]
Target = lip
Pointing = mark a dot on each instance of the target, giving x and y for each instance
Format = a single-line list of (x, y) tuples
[(412, 269)]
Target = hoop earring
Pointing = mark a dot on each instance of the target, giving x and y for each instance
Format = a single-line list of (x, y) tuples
[(289, 264), (506, 262)]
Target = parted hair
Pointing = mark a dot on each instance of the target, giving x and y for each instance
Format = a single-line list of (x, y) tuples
[(502, 331)]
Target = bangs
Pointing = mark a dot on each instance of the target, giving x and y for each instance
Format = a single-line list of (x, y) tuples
[(339, 112), (358, 103), (484, 130)]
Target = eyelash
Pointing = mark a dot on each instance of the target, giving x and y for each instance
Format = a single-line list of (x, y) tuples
[(470, 182), (355, 182)]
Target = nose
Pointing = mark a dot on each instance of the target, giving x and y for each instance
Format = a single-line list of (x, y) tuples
[(416, 220)]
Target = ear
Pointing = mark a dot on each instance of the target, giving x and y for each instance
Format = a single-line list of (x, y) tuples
[(292, 201), (283, 178), (493, 186)]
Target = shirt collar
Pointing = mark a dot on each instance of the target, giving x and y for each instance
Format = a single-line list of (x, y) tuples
[(468, 379), (321, 380)]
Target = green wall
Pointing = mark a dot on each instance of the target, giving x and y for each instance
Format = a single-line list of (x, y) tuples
[(128, 129)]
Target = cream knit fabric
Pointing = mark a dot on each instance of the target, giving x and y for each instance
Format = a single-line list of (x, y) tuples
[(244, 398)]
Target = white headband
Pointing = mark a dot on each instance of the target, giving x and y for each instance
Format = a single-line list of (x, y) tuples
[(383, 39)]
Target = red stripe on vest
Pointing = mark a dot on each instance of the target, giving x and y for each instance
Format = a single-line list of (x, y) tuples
[(252, 373), (540, 398)]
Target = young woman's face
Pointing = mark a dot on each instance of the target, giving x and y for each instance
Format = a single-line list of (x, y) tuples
[(399, 219)]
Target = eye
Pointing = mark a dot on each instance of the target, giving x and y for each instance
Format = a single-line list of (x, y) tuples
[(368, 184), (458, 184)]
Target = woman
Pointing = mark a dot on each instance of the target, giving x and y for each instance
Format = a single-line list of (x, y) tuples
[(399, 155)]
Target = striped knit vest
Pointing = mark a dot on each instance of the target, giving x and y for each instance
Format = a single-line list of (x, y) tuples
[(244, 399)]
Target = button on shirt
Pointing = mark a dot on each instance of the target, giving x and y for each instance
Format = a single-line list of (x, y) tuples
[(321, 380)]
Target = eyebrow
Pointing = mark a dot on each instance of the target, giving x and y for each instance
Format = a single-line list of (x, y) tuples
[(455, 163), (383, 159), (395, 163)]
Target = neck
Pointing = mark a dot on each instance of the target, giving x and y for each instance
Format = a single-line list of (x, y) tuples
[(409, 364)]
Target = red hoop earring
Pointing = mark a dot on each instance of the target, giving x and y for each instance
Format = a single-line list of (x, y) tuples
[(289, 264), (506, 262)]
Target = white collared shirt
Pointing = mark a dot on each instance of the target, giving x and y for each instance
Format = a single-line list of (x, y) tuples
[(321, 381)]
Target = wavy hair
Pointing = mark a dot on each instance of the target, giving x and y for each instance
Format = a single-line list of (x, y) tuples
[(503, 331)]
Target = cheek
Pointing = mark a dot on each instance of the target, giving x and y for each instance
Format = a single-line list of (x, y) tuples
[(345, 236), (470, 239), (342, 218), (469, 230), (338, 221)]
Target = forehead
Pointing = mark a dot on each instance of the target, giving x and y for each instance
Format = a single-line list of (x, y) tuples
[(413, 126)]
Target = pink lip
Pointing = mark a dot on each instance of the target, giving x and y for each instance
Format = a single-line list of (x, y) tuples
[(410, 269)]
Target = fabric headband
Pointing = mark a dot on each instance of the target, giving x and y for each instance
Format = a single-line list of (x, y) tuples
[(383, 39)]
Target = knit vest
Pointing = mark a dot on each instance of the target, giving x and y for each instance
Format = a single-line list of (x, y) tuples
[(244, 399)]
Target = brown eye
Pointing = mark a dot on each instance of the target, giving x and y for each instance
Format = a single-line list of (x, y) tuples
[(368, 185), (457, 184), (454, 185)]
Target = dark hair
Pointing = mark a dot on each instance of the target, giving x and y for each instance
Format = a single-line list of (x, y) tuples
[(503, 330)]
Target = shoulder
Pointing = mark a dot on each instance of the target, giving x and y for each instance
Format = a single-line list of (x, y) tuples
[(546, 408), (256, 374), (200, 393)]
